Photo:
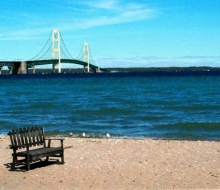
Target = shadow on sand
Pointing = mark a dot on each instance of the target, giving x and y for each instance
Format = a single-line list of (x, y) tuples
[(33, 166)]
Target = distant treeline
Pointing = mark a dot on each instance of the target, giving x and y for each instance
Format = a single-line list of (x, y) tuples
[(137, 69), (164, 69)]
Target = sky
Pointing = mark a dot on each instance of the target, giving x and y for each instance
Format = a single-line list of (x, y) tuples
[(120, 33)]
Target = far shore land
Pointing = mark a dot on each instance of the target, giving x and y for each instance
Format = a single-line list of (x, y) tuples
[(120, 164), (192, 69)]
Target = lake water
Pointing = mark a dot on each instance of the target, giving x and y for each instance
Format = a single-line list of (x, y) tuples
[(125, 105)]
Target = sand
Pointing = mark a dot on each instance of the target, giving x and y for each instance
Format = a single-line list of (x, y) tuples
[(120, 164)]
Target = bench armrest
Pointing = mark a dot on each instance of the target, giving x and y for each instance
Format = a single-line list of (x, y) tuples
[(49, 141)]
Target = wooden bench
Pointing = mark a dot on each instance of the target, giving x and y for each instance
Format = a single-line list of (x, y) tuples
[(32, 139)]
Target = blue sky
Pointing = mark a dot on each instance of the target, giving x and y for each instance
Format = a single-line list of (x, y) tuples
[(121, 33)]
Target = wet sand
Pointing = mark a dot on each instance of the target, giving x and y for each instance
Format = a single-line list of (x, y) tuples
[(120, 164)]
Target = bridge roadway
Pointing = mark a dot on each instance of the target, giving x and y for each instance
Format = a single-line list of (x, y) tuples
[(16, 64)]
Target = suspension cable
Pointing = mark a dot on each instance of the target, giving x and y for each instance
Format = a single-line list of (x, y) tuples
[(45, 53), (80, 53), (65, 46), (42, 48), (64, 53), (91, 56)]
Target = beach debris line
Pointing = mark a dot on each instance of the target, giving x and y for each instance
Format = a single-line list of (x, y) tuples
[(90, 135)]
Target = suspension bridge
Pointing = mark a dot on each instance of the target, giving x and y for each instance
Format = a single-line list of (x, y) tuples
[(58, 54)]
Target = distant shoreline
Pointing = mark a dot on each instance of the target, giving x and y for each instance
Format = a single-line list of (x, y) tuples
[(132, 69)]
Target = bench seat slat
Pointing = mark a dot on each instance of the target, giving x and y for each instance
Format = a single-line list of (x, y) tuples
[(39, 151)]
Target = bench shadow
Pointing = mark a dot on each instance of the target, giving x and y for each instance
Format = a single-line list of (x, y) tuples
[(39, 164)]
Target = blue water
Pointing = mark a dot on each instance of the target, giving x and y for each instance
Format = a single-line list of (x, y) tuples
[(133, 105)]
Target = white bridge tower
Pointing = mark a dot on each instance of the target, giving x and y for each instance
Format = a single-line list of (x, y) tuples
[(56, 49), (86, 55)]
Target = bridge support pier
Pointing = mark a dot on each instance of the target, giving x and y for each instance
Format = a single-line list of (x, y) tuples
[(98, 70), (10, 69), (19, 68), (53, 68), (33, 69), (86, 69)]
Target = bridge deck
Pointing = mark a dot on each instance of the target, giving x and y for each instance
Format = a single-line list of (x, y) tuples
[(31, 63)]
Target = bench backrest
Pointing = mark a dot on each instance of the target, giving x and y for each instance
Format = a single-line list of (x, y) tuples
[(31, 136)]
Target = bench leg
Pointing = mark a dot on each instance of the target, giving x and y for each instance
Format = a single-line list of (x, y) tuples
[(13, 162), (47, 159), (12, 166), (28, 163), (62, 158)]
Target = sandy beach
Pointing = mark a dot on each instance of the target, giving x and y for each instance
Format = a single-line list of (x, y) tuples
[(120, 164)]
